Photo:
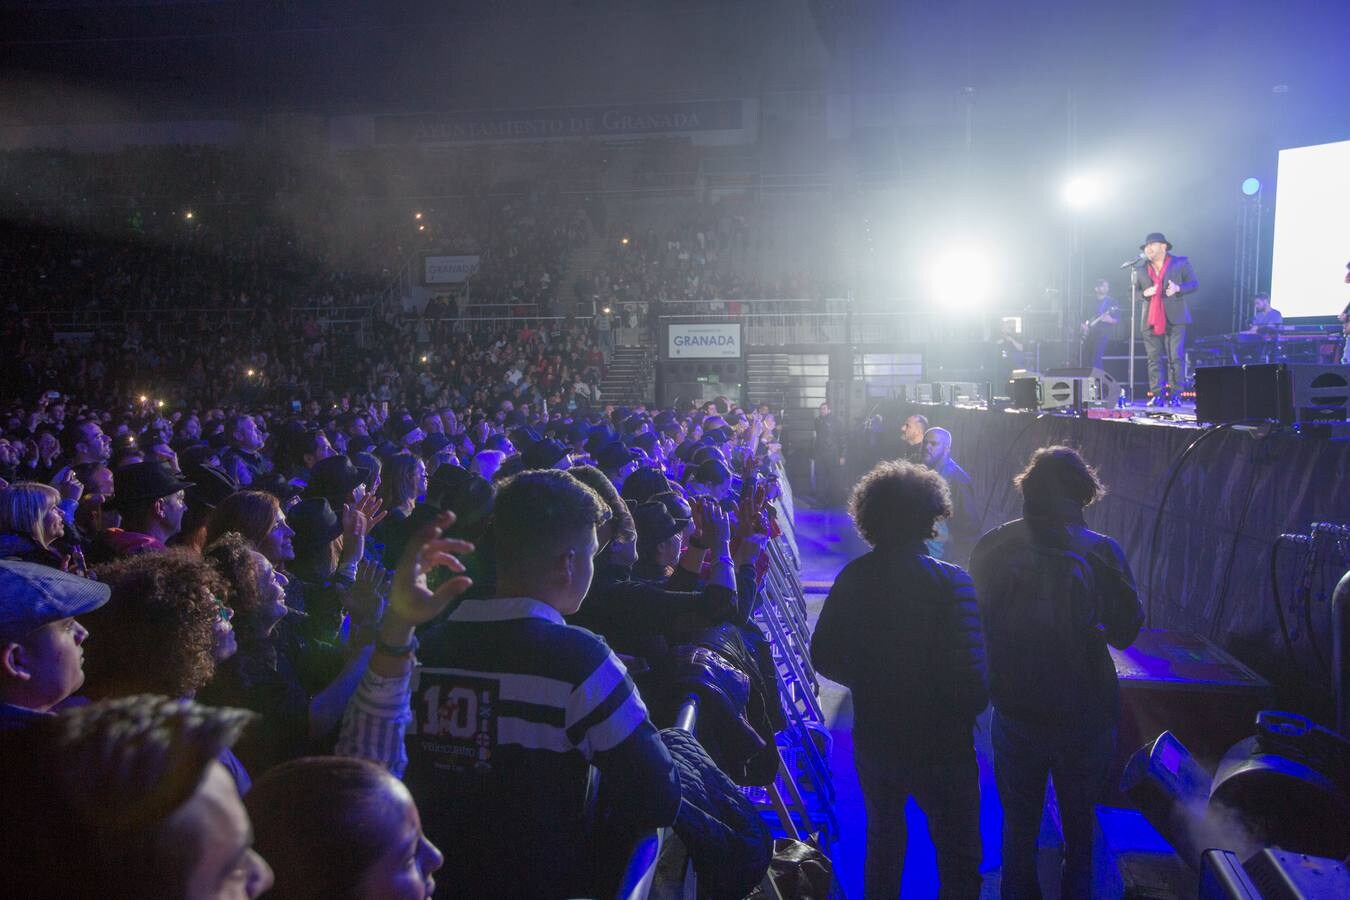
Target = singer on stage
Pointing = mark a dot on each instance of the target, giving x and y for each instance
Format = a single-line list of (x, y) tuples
[(1164, 281)]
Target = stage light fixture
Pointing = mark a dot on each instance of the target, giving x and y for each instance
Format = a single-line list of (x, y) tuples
[(1082, 191), (417, 215), (250, 373), (624, 240), (963, 278), (1251, 186), (188, 214)]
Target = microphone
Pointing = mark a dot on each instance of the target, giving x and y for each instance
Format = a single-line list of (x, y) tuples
[(1132, 262)]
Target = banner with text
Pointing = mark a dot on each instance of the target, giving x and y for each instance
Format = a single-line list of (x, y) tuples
[(448, 269), (560, 122), (719, 341)]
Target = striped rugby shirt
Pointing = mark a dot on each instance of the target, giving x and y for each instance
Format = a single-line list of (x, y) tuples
[(509, 706)]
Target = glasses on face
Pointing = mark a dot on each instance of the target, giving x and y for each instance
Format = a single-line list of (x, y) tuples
[(223, 611)]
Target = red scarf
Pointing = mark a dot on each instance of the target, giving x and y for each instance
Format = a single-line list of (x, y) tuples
[(1157, 315)]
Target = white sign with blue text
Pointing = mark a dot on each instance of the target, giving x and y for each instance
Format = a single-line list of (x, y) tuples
[(710, 341)]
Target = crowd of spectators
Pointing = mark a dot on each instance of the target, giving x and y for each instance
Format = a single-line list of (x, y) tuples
[(207, 605), (692, 268)]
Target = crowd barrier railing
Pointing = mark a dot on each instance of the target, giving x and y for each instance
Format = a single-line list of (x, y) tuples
[(639, 873), (801, 798)]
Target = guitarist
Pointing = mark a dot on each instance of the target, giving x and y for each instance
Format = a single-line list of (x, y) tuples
[(1098, 331)]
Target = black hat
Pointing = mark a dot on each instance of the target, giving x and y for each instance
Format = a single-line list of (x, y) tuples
[(712, 471), (400, 426), (196, 455), (545, 454), (210, 485), (1156, 237), (612, 457), (654, 522), (469, 496), (597, 439), (432, 444), (703, 452), (313, 522), (645, 484), (277, 485), (368, 464), (334, 478), (141, 481)]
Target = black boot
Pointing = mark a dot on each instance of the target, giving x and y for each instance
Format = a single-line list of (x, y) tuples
[(1159, 397)]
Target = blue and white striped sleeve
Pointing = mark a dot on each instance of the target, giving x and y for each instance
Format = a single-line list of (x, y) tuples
[(376, 720), (604, 709)]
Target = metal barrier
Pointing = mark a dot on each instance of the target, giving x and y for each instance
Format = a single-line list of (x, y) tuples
[(801, 798), (638, 874)]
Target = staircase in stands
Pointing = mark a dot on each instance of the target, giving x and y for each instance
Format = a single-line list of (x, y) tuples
[(630, 377), (581, 262)]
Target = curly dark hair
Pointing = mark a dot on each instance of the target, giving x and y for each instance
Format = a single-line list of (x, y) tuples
[(231, 556), (155, 631), (1059, 472), (898, 502)]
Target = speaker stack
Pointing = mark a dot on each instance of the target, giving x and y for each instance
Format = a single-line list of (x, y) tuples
[(700, 379), (1060, 388), (1289, 393)]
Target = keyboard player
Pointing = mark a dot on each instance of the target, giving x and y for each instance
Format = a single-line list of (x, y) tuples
[(1266, 319)]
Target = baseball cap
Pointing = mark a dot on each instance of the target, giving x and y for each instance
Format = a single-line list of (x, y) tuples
[(32, 595)]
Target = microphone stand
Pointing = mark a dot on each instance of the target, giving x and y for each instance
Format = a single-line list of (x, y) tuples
[(1134, 327)]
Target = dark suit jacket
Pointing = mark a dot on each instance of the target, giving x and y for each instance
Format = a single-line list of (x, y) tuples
[(1180, 271)]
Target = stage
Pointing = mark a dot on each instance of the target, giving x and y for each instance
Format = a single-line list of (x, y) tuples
[(1233, 497)]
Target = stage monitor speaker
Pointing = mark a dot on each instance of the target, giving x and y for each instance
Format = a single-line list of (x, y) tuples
[(1219, 394), (1096, 388), (1320, 393), (1288, 393), (1024, 389)]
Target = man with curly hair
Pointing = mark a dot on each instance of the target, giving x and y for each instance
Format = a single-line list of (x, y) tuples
[(901, 630)]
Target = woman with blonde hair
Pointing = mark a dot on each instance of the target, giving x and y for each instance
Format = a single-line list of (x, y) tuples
[(31, 523)]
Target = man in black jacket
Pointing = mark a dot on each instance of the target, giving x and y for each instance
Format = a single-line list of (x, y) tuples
[(829, 456), (1052, 595), (902, 632), (1163, 283)]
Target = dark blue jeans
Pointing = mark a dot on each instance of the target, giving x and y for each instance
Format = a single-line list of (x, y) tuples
[(949, 795), (1079, 760)]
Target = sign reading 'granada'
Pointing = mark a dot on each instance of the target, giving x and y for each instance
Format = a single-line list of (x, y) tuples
[(559, 122), (710, 341)]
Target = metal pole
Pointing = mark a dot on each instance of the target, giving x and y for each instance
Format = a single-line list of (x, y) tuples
[(1134, 328)]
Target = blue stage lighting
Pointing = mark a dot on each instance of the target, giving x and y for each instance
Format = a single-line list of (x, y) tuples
[(1251, 186)]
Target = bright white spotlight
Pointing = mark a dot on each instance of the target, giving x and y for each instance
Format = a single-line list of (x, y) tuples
[(963, 278), (1082, 191)]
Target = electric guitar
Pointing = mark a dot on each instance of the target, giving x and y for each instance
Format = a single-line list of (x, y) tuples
[(1110, 313)]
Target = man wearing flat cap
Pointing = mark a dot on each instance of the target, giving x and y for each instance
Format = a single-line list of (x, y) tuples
[(1163, 283)]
